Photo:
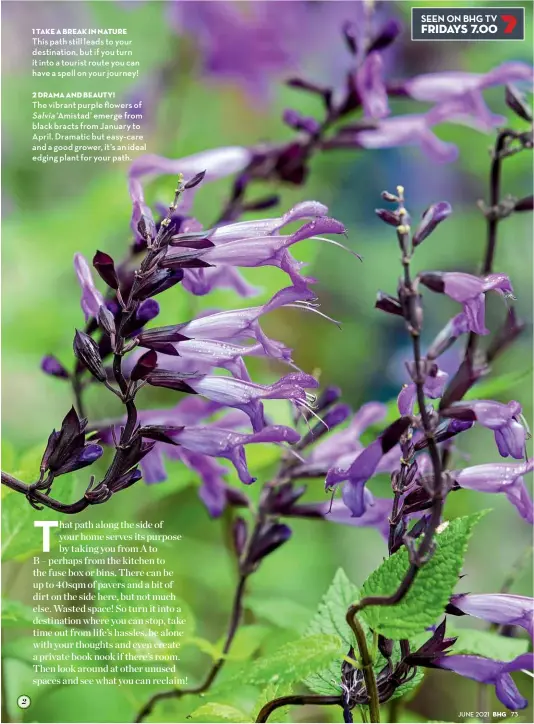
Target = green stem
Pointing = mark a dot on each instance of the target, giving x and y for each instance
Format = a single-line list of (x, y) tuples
[(367, 664)]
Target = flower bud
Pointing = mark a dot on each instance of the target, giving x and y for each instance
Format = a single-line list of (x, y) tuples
[(86, 350), (105, 266)]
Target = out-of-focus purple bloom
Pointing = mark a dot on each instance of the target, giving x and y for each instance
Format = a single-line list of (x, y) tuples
[(92, 299), (265, 40), (298, 122), (247, 47), (489, 671), (458, 86), (339, 449), (376, 515), (433, 387), (469, 290), (246, 396), (510, 434), (52, 366), (500, 478), (457, 326), (371, 87), (433, 216), (218, 163), (500, 608)]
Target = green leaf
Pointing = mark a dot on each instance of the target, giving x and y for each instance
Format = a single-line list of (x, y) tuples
[(214, 712), (330, 619), (280, 611), (291, 663), (431, 590), (20, 539), (17, 614), (270, 692), (488, 644), (247, 641)]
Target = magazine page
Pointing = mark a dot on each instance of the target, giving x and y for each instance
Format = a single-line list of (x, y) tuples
[(267, 361)]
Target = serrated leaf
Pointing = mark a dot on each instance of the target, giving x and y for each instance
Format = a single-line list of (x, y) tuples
[(487, 643), (281, 612), (214, 712), (433, 586), (330, 619), (291, 663), (270, 692)]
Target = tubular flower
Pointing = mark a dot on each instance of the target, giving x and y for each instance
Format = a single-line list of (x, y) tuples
[(247, 396), (271, 250), (509, 433), (469, 290), (466, 88), (500, 608), (92, 299), (433, 387), (488, 671), (338, 449), (500, 478), (241, 324), (365, 465)]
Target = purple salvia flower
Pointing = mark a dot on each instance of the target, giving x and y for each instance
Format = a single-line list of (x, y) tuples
[(371, 87), (510, 434), (466, 87), (241, 324), (203, 281), (469, 290), (376, 515), (338, 449), (262, 227), (408, 130), (488, 671), (354, 494), (217, 442), (433, 387), (92, 299), (433, 216), (500, 478), (208, 354), (457, 326), (501, 608), (246, 396), (266, 250)]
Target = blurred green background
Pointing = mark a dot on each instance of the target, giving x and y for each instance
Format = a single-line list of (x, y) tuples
[(52, 211)]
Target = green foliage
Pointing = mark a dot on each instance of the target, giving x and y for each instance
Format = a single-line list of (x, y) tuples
[(15, 613), (214, 712), (291, 663), (487, 643), (429, 594), (330, 619), (270, 692), (246, 642), (281, 612)]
